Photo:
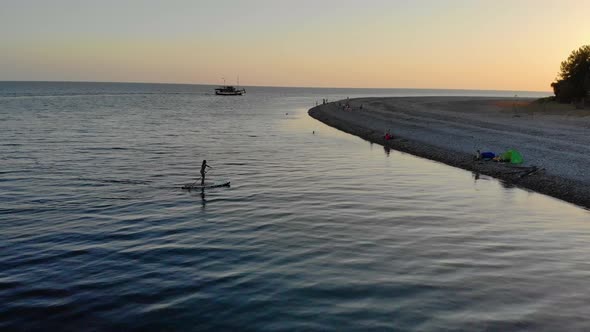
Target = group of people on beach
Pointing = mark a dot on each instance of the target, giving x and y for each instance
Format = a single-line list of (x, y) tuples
[(345, 107), (324, 102)]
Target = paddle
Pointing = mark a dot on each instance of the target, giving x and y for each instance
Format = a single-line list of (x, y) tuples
[(192, 185)]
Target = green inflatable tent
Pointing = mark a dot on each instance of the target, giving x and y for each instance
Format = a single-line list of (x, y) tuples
[(512, 156)]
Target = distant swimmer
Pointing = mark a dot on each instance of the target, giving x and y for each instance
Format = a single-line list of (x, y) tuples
[(204, 171)]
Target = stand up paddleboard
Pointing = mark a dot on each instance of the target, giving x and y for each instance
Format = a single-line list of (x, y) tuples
[(206, 185)]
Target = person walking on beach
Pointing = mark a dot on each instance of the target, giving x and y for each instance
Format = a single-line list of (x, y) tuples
[(204, 171)]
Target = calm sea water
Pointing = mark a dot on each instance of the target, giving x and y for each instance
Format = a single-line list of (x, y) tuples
[(318, 231)]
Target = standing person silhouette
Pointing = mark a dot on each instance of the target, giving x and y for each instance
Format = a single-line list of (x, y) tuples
[(204, 171)]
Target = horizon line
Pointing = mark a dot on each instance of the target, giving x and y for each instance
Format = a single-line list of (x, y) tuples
[(269, 86)]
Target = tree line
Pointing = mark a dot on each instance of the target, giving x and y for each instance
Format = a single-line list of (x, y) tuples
[(572, 84)]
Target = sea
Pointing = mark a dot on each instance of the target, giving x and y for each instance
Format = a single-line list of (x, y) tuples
[(318, 231)]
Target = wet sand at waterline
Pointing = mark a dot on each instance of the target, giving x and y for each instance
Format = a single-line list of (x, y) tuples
[(554, 138)]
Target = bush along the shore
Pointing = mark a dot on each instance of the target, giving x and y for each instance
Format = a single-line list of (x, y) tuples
[(573, 81)]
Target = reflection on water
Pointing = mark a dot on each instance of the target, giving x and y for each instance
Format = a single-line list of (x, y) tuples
[(387, 150), (476, 175), (508, 185)]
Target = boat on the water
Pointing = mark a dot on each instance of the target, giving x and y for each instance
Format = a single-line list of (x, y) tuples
[(228, 90)]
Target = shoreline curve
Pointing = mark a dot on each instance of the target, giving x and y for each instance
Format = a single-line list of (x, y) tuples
[(447, 129)]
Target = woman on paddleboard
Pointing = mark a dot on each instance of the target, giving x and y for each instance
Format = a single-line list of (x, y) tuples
[(204, 171)]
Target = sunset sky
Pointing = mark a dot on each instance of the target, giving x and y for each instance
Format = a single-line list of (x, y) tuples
[(508, 45)]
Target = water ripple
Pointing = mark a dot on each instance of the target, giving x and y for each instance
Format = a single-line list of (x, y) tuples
[(318, 231)]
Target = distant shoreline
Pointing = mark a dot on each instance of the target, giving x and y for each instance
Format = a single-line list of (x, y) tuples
[(451, 129)]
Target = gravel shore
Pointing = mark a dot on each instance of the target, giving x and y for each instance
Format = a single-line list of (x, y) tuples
[(553, 138)]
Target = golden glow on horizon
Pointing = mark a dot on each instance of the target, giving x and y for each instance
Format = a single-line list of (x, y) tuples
[(479, 47)]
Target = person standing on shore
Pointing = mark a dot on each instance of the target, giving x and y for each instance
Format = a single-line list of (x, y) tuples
[(204, 171)]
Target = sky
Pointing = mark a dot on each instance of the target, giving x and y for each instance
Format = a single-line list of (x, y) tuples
[(451, 44)]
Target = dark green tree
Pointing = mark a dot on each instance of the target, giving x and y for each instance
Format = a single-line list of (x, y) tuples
[(573, 80)]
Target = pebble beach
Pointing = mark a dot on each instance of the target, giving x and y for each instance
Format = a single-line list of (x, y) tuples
[(553, 139)]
